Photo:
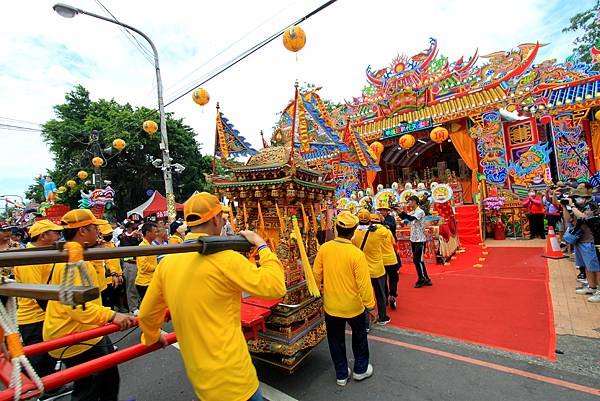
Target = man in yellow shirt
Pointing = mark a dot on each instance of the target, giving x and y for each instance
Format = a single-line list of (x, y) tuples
[(81, 226), (31, 312), (177, 230), (391, 262), (369, 238), (146, 264), (347, 294), (110, 270), (203, 294)]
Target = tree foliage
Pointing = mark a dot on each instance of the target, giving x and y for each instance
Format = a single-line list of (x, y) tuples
[(586, 24), (130, 171)]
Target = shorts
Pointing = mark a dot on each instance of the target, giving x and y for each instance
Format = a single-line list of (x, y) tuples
[(586, 255)]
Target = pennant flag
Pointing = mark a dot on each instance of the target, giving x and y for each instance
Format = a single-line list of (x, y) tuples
[(230, 142)]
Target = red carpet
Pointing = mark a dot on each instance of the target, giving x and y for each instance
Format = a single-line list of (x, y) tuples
[(505, 304), (467, 221)]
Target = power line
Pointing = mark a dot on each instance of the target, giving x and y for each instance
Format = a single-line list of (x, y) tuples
[(224, 67), (19, 121)]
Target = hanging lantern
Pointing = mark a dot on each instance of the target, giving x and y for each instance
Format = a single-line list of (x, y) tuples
[(546, 119), (377, 148), (597, 115), (82, 175), (200, 96), (72, 183), (119, 144), (97, 161), (406, 141), (294, 38), (150, 127), (438, 134), (61, 190)]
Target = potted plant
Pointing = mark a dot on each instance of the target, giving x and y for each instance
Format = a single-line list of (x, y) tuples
[(494, 225)]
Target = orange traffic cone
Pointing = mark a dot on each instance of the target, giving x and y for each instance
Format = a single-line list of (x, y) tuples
[(552, 249)]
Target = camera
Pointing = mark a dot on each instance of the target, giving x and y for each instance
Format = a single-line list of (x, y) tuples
[(564, 201)]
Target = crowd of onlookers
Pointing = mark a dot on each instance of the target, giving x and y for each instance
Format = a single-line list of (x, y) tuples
[(571, 210)]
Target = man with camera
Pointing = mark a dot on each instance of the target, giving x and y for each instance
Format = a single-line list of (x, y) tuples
[(579, 209)]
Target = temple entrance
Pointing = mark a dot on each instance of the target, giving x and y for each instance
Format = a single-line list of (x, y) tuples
[(425, 163)]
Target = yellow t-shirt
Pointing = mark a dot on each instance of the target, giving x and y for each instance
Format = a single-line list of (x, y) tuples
[(145, 267), (388, 251), (372, 248), (113, 265), (175, 239), (29, 310), (63, 319), (203, 294), (344, 272)]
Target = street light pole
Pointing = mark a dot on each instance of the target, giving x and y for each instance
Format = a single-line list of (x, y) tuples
[(67, 11)]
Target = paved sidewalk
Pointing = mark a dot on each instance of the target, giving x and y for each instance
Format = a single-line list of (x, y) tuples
[(573, 314)]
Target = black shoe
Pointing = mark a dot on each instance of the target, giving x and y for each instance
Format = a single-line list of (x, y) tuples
[(428, 282), (419, 283), (393, 303)]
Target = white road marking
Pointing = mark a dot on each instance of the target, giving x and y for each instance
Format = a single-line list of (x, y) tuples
[(269, 393), (272, 394)]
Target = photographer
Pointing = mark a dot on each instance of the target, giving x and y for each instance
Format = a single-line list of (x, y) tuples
[(553, 209), (579, 209)]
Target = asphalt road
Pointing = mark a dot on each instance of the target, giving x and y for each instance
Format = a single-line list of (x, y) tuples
[(408, 366)]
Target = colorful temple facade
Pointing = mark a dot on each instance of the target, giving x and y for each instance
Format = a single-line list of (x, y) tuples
[(517, 122)]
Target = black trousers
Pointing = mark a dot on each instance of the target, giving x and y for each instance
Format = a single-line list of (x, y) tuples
[(418, 250), (32, 334), (536, 225), (141, 289), (100, 386), (336, 338), (379, 285), (392, 280)]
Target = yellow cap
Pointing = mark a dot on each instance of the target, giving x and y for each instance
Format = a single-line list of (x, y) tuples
[(203, 206), (80, 218), (40, 227), (105, 229), (364, 215), (346, 220), (375, 218)]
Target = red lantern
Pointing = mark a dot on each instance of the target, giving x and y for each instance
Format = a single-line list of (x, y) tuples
[(546, 119), (406, 141)]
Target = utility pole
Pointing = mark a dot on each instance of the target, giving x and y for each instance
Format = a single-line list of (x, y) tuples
[(97, 177)]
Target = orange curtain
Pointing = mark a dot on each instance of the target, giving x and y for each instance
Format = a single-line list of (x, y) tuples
[(465, 146), (595, 128)]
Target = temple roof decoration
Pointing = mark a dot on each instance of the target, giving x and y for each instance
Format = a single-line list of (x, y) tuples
[(229, 141), (416, 93)]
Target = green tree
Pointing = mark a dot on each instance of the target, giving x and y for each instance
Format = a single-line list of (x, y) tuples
[(130, 171), (585, 23)]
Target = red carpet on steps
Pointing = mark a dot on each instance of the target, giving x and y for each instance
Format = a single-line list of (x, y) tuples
[(505, 304), (467, 220)]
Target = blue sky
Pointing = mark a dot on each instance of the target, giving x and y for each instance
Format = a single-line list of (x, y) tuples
[(44, 55)]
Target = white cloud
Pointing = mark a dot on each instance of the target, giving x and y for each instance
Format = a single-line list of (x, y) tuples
[(341, 41)]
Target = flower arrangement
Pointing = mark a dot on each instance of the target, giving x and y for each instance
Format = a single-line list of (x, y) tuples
[(493, 203)]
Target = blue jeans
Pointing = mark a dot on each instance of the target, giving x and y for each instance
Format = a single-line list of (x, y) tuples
[(256, 396), (336, 337), (585, 255)]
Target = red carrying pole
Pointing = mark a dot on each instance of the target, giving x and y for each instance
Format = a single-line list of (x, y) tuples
[(58, 379)]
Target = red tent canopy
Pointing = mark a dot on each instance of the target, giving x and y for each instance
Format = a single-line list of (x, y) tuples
[(156, 204)]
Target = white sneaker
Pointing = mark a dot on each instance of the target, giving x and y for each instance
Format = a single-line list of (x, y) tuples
[(585, 290), (363, 376), (343, 382), (595, 297)]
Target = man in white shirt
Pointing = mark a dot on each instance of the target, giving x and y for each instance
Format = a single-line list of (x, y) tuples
[(418, 239)]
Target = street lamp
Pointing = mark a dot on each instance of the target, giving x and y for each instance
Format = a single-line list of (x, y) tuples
[(68, 11)]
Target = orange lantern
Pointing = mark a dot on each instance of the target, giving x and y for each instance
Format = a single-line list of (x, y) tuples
[(82, 175), (438, 134), (119, 144), (294, 38), (71, 183), (200, 96), (377, 148), (150, 127), (97, 161), (406, 141)]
